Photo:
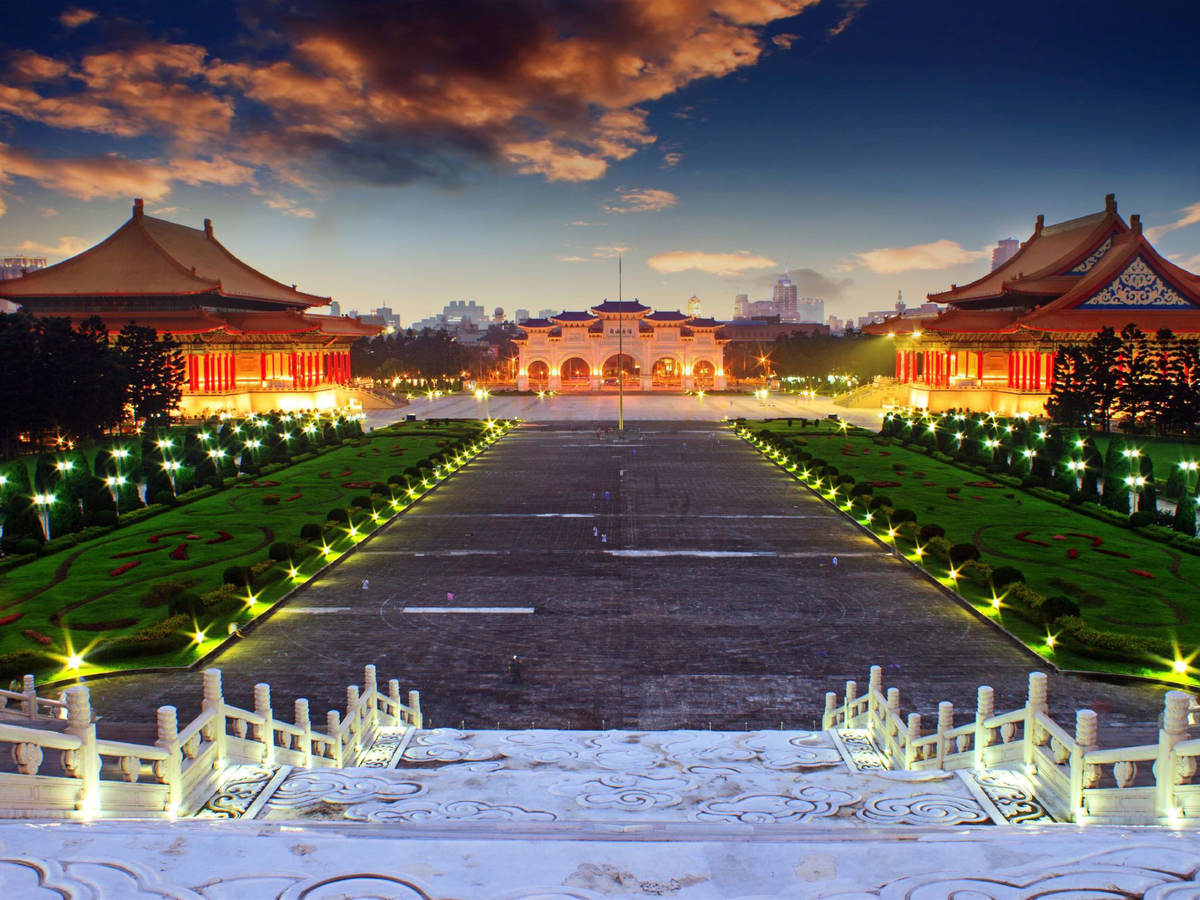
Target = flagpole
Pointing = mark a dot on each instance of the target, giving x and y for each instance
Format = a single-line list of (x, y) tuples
[(620, 353)]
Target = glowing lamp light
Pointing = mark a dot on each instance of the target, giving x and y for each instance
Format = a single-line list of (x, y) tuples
[(43, 499), (172, 465), (916, 334), (1051, 640), (292, 572), (3, 480), (204, 435), (1080, 443), (74, 661), (1180, 666), (995, 602), (120, 453), (164, 444), (198, 637)]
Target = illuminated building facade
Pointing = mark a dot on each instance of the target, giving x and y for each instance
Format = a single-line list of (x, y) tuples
[(993, 345), (249, 343), (621, 342)]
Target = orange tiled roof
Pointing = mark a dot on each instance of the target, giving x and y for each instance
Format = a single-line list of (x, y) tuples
[(153, 257)]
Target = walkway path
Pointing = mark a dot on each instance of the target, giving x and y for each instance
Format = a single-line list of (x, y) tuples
[(676, 579)]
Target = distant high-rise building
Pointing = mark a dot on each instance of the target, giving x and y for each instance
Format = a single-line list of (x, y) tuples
[(810, 309), (522, 315), (546, 313), (836, 325), (1004, 251), (741, 306), (335, 308), (387, 318), (783, 295), (498, 315), (693, 305), (16, 266), (760, 309)]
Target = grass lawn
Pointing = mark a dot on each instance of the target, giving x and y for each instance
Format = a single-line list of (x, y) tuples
[(1166, 453), (1122, 581), (80, 596)]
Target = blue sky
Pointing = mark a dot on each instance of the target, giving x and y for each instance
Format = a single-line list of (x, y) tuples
[(408, 154)]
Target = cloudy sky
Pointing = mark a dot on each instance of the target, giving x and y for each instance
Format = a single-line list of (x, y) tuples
[(406, 153)]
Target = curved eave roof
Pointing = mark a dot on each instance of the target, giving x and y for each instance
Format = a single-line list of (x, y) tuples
[(620, 307), (667, 317), (704, 324), (573, 318), (149, 257), (203, 320), (1052, 250)]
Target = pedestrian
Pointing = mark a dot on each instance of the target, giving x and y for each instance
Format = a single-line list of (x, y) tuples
[(366, 583), (449, 597), (604, 538), (607, 496), (595, 531), (835, 560), (514, 670)]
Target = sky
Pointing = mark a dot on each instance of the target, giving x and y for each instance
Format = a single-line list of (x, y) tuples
[(404, 154)]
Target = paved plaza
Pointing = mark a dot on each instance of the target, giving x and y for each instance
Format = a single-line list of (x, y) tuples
[(673, 579)]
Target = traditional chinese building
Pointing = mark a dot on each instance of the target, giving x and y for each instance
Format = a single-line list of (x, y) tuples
[(993, 345), (619, 342), (249, 341)]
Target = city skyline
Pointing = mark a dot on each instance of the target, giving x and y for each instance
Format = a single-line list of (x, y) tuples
[(714, 147)]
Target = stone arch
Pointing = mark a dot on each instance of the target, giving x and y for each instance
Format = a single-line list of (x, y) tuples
[(704, 374), (667, 373), (621, 365), (538, 371), (575, 374)]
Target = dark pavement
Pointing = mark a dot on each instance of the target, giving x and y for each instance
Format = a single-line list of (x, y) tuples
[(713, 602)]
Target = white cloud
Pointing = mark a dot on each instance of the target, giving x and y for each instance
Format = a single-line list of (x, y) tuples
[(611, 251), (635, 200), (936, 255), (721, 263), (66, 246), (672, 159), (1190, 216)]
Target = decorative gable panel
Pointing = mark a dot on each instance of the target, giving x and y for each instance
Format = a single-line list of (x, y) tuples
[(1137, 287), (1088, 264)]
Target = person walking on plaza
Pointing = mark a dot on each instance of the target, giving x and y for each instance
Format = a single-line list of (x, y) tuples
[(514, 670)]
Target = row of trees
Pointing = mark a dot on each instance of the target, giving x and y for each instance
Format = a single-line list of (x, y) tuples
[(863, 356), (434, 356), (1137, 381), (60, 380), (72, 489), (1121, 479)]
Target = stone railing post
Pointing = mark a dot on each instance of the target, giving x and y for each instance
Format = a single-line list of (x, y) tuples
[(847, 700), (1035, 703), (914, 735), (29, 697), (1086, 731), (945, 722), (79, 724), (874, 690), (170, 774), (265, 733), (1173, 730), (214, 700), (303, 722), (371, 695), (394, 696), (354, 716), (414, 703), (830, 715), (985, 707), (333, 724)]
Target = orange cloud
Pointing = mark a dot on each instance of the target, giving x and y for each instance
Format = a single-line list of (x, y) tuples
[(66, 247), (936, 255), (76, 16), (88, 177), (635, 200), (734, 263)]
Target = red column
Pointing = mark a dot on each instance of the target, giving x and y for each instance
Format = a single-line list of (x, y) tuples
[(193, 371), (346, 374), (1039, 359), (1052, 359), (1010, 368), (262, 367), (292, 367), (979, 366)]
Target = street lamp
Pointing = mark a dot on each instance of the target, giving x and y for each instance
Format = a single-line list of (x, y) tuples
[(43, 502)]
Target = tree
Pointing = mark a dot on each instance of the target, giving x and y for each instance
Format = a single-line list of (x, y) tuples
[(153, 368), (1102, 357), (1137, 387), (21, 372), (1070, 396), (1185, 515)]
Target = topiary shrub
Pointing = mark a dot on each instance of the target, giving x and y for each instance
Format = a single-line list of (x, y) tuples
[(310, 531), (929, 531), (102, 517), (30, 545), (961, 553), (879, 501), (337, 515), (902, 515), (862, 487), (239, 575), (173, 633), (1053, 608), (162, 593), (1002, 576), (185, 602), (26, 662), (1143, 517), (280, 551), (362, 501), (395, 479)]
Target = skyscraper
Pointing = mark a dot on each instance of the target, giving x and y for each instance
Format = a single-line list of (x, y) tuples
[(741, 306), (693, 305), (784, 298), (1004, 250)]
